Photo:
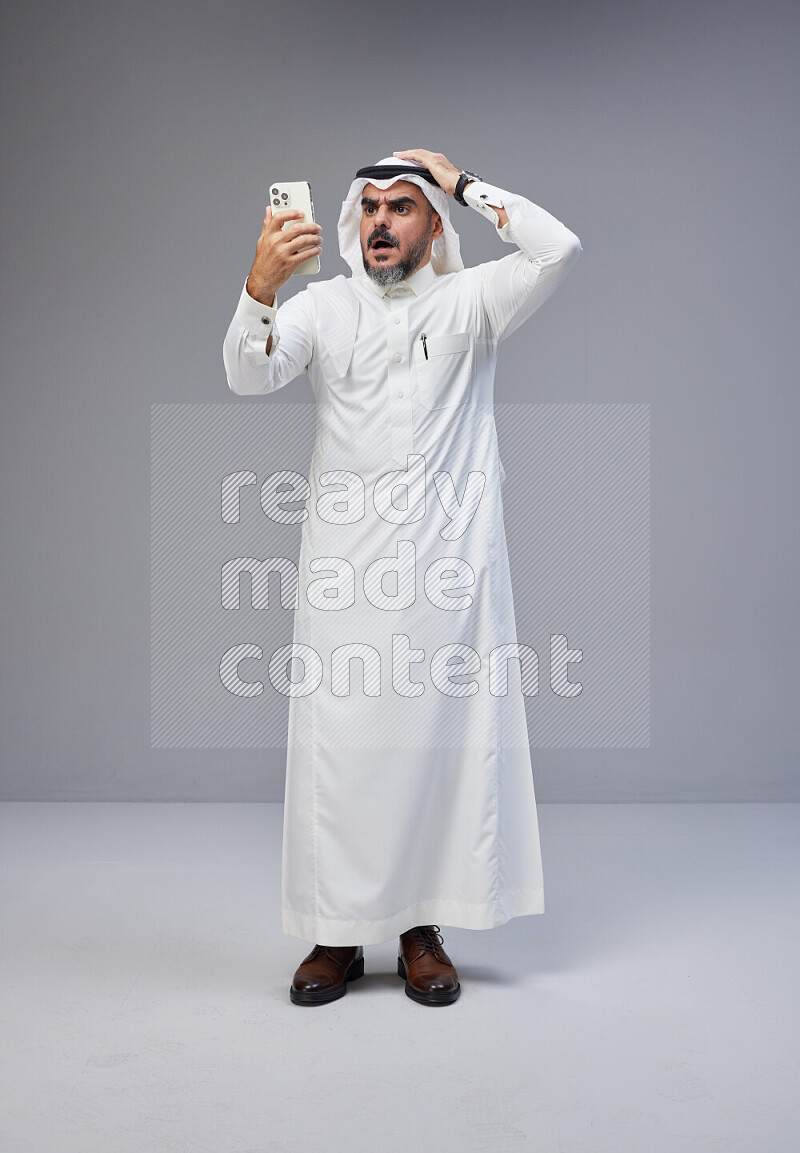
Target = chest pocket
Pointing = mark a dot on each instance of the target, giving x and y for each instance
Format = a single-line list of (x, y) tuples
[(444, 375)]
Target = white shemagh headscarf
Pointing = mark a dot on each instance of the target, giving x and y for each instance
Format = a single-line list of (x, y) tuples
[(446, 250)]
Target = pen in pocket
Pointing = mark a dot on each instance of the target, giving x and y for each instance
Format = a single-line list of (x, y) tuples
[(423, 338)]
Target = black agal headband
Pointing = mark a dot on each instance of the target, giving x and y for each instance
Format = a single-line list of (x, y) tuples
[(382, 171)]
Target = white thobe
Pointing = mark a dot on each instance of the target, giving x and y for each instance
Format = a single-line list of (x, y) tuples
[(409, 788)]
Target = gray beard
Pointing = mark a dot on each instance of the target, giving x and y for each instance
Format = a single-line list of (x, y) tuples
[(385, 275)]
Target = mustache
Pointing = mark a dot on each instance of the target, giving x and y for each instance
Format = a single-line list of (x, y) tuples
[(382, 234)]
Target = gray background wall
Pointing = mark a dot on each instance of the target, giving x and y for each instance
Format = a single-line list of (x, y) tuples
[(137, 142)]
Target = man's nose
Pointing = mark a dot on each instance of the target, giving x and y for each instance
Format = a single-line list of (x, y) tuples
[(383, 216)]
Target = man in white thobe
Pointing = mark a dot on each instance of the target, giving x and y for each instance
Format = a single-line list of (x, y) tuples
[(411, 799)]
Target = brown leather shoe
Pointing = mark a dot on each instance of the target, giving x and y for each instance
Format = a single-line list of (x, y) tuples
[(431, 977), (323, 975)]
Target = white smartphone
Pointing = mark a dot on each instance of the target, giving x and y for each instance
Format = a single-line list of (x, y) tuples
[(295, 194)]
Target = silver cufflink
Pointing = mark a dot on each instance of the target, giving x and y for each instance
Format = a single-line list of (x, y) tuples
[(265, 320)]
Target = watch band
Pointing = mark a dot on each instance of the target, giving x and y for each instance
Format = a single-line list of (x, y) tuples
[(463, 180)]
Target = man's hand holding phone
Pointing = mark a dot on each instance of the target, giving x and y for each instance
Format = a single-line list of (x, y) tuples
[(279, 251)]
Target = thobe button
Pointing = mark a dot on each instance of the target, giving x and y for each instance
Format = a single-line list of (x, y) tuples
[(401, 394), (397, 358), (397, 320), (265, 320)]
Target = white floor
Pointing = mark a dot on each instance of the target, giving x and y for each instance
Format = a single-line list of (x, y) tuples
[(653, 1007)]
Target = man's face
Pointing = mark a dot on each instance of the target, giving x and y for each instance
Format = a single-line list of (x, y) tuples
[(398, 228)]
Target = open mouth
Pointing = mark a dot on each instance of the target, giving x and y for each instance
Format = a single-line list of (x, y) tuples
[(382, 244)]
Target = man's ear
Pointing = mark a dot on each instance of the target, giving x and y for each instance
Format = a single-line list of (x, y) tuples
[(438, 227)]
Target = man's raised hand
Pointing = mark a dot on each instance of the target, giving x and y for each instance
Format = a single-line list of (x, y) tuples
[(445, 173), (280, 250)]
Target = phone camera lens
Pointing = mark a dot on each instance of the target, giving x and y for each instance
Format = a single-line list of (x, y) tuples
[(285, 195), (276, 202), (274, 191)]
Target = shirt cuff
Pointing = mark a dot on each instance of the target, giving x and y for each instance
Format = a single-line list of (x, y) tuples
[(481, 196), (257, 319)]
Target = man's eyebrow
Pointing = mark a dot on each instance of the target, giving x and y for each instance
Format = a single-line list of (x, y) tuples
[(394, 200)]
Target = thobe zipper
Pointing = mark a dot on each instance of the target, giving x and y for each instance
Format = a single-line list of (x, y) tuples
[(424, 345)]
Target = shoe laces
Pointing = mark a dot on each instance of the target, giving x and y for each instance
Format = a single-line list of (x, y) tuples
[(428, 938), (315, 952)]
